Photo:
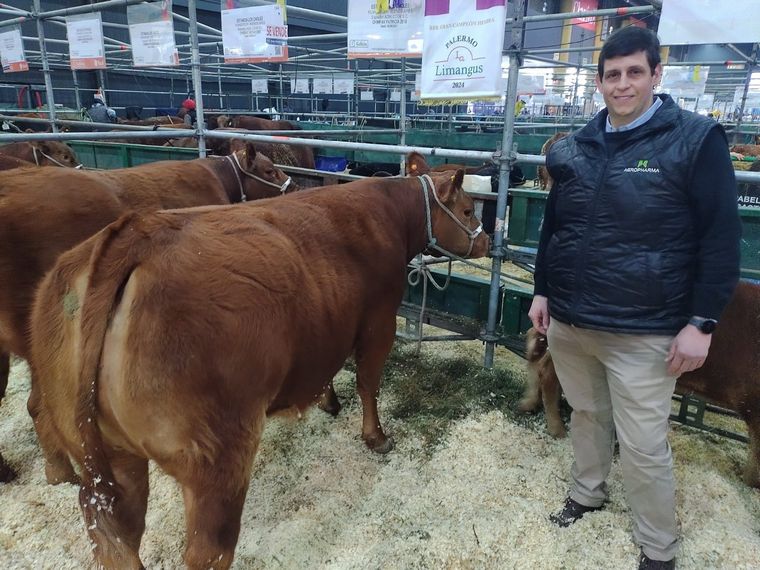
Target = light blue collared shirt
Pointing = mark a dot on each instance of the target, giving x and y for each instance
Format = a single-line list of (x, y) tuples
[(656, 104)]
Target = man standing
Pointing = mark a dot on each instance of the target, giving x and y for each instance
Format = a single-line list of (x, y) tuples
[(99, 112), (638, 256)]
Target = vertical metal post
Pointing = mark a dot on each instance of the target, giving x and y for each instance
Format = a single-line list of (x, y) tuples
[(77, 96), (357, 98), (505, 166), (45, 67), (282, 94), (750, 68), (219, 78), (195, 63), (402, 115)]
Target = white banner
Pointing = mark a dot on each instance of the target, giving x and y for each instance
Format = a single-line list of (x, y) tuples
[(12, 50), (343, 84), (709, 22), (396, 32), (85, 36), (322, 85), (461, 59), (254, 34), (299, 85), (395, 95), (367, 95), (259, 86)]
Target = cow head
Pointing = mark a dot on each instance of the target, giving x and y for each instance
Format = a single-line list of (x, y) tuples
[(54, 153), (223, 121), (262, 179), (452, 211)]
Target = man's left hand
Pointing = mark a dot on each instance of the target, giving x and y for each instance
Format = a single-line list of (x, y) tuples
[(688, 350)]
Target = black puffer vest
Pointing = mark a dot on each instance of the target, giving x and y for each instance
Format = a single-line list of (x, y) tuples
[(623, 253)]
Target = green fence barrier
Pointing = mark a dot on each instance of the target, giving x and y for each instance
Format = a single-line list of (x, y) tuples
[(108, 155)]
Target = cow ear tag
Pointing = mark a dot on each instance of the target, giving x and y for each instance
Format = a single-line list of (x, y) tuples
[(414, 167)]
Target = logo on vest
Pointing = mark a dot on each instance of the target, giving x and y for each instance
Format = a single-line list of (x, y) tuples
[(642, 166)]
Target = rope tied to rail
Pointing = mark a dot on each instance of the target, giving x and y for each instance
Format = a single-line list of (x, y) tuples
[(420, 271)]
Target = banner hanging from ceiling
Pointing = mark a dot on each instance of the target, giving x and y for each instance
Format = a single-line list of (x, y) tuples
[(709, 22), (322, 85), (586, 22), (12, 50), (85, 35), (151, 33), (390, 30), (462, 45), (254, 34)]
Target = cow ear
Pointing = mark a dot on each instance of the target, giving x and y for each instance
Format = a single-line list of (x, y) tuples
[(43, 146), (249, 155), (416, 165), (450, 190)]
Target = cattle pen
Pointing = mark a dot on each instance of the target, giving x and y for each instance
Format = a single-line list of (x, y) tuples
[(470, 481)]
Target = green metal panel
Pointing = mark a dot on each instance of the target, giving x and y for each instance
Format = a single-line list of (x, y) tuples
[(108, 155), (514, 310), (466, 296), (525, 216)]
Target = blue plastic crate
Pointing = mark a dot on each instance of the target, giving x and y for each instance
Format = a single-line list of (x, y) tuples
[(330, 163)]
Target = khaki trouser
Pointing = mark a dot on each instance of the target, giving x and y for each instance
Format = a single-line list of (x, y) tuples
[(619, 383)]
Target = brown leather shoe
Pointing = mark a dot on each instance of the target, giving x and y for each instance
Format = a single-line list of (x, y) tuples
[(571, 512), (646, 563)]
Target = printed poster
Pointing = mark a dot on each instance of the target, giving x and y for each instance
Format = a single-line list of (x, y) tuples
[(588, 22), (151, 33), (253, 34), (709, 22), (300, 85), (85, 36), (259, 86), (396, 32), (343, 83), (12, 50), (322, 85), (461, 58)]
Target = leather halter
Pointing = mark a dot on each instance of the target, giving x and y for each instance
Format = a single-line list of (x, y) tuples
[(36, 150), (237, 169), (427, 188)]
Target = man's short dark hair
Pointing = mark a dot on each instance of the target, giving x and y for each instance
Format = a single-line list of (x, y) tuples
[(630, 40)]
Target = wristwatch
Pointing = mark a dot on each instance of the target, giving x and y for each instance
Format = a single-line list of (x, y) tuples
[(706, 326)]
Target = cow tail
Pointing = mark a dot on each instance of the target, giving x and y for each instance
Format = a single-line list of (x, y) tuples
[(116, 253)]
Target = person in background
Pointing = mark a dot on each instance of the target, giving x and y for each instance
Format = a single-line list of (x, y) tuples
[(637, 258), (187, 112), (99, 112)]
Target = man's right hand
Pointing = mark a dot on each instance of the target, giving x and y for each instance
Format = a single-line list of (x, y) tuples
[(539, 313)]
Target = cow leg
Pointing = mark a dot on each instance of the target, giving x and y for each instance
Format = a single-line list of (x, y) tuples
[(328, 401), (58, 468), (6, 472), (752, 468), (371, 352), (114, 511), (551, 393), (214, 493), (5, 370)]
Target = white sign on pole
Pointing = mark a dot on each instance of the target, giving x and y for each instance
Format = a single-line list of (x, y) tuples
[(259, 86), (461, 59), (367, 95), (300, 85), (322, 85), (709, 22), (12, 50), (85, 35), (396, 32), (151, 32), (254, 34), (343, 84), (395, 95)]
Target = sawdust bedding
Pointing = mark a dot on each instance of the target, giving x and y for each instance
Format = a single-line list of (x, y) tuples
[(478, 498)]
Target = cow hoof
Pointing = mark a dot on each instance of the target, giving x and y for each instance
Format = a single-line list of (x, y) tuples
[(381, 447), (751, 477), (56, 476), (6, 473), (527, 406), (332, 408), (557, 433)]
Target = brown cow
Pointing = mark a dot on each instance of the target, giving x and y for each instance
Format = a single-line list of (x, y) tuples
[(42, 153), (8, 162), (190, 327), (728, 378), (255, 123), (45, 211), (544, 180), (155, 121), (286, 155), (746, 149)]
